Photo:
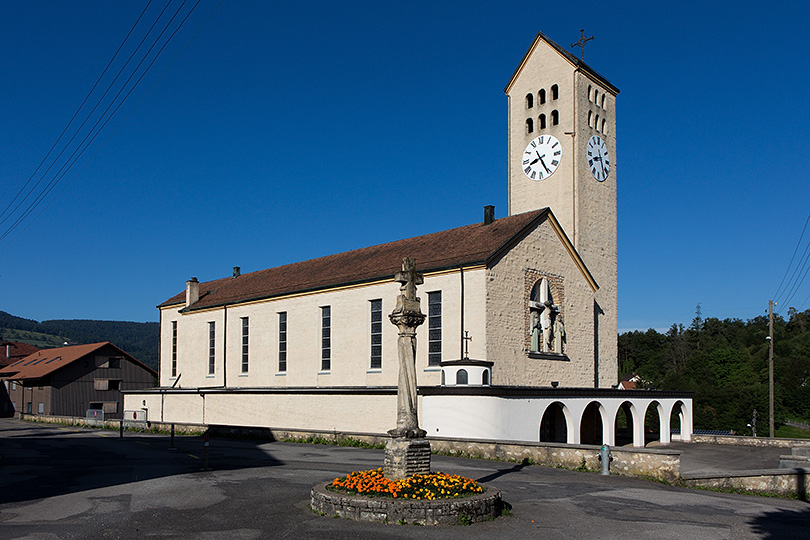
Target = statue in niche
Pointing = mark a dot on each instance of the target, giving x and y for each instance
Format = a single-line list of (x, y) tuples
[(534, 328), (559, 332), (545, 323)]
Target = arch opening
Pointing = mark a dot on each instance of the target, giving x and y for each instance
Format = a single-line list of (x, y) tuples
[(553, 426), (676, 421), (623, 425), (652, 424), (590, 427)]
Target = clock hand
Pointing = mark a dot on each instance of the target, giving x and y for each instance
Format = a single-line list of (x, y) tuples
[(544, 164), (535, 161)]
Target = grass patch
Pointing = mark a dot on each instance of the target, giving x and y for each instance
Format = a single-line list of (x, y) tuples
[(335, 440), (791, 432)]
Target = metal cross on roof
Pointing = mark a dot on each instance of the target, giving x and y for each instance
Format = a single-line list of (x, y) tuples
[(467, 340), (581, 43)]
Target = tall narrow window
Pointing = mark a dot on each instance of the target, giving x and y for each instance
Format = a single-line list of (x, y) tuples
[(326, 338), (376, 334), (434, 328), (555, 118), (212, 347), (596, 124), (541, 121), (529, 101), (282, 341), (596, 96), (555, 91), (174, 348), (529, 125), (541, 96), (245, 337)]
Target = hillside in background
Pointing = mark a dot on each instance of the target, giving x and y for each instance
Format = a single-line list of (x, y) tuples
[(141, 340), (726, 364)]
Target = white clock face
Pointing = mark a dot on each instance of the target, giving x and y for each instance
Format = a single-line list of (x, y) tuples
[(541, 157), (598, 159)]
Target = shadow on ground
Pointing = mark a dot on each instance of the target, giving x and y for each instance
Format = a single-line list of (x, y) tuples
[(38, 460)]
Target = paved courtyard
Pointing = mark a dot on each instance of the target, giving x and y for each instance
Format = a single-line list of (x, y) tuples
[(58, 482)]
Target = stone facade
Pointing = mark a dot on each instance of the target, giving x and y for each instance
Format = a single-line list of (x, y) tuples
[(509, 284), (406, 457)]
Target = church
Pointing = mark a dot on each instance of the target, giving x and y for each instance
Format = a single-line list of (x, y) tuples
[(520, 338)]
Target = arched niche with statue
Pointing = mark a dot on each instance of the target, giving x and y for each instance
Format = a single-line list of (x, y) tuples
[(546, 325)]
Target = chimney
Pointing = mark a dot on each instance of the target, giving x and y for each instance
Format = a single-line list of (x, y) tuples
[(236, 271), (192, 291), (489, 214)]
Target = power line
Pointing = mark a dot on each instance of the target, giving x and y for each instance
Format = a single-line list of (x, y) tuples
[(797, 277), (94, 132), (75, 114), (793, 257), (121, 123)]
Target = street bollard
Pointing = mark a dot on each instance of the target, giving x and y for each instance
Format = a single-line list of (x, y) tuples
[(605, 457), (205, 453), (172, 447), (121, 427)]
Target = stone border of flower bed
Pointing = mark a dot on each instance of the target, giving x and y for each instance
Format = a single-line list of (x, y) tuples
[(472, 509)]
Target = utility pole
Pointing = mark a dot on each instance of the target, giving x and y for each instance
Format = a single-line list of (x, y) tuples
[(770, 361)]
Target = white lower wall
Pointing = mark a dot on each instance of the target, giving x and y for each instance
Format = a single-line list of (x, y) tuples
[(487, 417)]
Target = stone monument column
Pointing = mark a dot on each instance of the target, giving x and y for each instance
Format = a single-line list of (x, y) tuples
[(407, 452)]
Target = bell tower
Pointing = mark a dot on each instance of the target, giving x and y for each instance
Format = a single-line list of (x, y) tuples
[(562, 155)]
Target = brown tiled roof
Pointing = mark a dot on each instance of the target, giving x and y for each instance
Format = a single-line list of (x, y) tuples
[(11, 351), (46, 361), (472, 244)]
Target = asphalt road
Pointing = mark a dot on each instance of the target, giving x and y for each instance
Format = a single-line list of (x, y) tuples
[(59, 483)]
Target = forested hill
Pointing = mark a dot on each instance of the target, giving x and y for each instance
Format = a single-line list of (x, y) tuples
[(141, 340), (726, 364)]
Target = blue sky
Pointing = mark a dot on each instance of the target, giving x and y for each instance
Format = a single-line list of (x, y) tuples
[(276, 132)]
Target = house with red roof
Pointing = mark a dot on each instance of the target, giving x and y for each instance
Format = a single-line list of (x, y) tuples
[(69, 381), (10, 352)]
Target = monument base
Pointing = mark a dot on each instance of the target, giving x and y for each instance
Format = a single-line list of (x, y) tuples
[(406, 457)]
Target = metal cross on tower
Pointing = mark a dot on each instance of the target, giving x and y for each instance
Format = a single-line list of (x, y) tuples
[(581, 43), (467, 340)]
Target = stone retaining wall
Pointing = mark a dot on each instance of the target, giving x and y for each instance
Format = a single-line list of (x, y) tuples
[(474, 509), (785, 482), (741, 440), (660, 464)]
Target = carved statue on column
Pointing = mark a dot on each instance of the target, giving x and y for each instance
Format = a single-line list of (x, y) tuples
[(407, 316)]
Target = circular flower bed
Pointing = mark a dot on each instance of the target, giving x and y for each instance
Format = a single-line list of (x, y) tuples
[(431, 486)]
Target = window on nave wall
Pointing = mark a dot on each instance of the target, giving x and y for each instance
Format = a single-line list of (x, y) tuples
[(282, 341), (174, 348), (376, 334), (212, 349), (245, 342), (434, 328), (326, 338)]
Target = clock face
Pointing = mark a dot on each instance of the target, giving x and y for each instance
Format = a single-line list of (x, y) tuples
[(541, 157), (598, 159)]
